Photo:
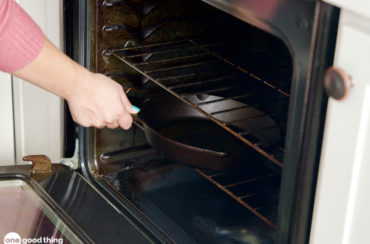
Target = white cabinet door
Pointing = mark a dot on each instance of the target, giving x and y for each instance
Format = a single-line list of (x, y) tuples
[(341, 210), (361, 7)]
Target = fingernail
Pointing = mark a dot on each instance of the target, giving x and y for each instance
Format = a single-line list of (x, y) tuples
[(135, 109)]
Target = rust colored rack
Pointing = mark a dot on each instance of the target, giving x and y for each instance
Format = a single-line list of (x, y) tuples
[(248, 195), (182, 67)]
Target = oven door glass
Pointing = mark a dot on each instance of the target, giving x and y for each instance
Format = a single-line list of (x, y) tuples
[(25, 216)]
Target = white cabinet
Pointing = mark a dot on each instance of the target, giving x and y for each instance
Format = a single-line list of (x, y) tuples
[(360, 7), (342, 200)]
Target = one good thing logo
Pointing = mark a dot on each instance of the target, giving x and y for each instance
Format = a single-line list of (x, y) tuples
[(12, 238), (15, 238)]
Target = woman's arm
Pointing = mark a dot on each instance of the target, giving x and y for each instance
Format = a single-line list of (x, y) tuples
[(94, 99)]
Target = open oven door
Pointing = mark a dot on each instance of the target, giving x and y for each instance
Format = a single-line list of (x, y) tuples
[(51, 203)]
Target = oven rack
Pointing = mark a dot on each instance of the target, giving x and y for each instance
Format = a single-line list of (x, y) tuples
[(261, 202), (183, 67), (256, 189)]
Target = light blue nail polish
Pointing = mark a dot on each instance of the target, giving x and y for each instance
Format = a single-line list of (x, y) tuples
[(136, 109)]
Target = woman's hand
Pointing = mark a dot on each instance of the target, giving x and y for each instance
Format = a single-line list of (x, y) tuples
[(99, 101), (94, 99)]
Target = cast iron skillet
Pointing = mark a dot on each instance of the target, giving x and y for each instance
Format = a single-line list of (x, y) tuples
[(185, 135)]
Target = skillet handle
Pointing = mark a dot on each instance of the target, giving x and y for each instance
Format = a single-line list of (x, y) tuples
[(138, 122)]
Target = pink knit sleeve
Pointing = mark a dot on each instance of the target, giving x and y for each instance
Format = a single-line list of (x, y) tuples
[(21, 40)]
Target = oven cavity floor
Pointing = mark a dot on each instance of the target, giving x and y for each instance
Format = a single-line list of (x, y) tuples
[(190, 208)]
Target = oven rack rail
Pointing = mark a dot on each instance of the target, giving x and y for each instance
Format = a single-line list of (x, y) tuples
[(257, 190), (246, 198), (157, 61)]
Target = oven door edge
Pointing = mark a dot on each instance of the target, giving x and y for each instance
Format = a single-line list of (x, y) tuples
[(49, 189), (297, 204)]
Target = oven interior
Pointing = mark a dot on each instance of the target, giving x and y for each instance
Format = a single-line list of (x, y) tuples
[(158, 47)]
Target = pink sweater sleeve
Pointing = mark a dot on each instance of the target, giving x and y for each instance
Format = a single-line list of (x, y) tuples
[(21, 40)]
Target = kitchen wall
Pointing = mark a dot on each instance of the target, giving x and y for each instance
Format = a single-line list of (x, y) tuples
[(37, 114), (6, 121)]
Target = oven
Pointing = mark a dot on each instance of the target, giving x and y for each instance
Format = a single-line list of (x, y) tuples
[(270, 56), (242, 82)]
